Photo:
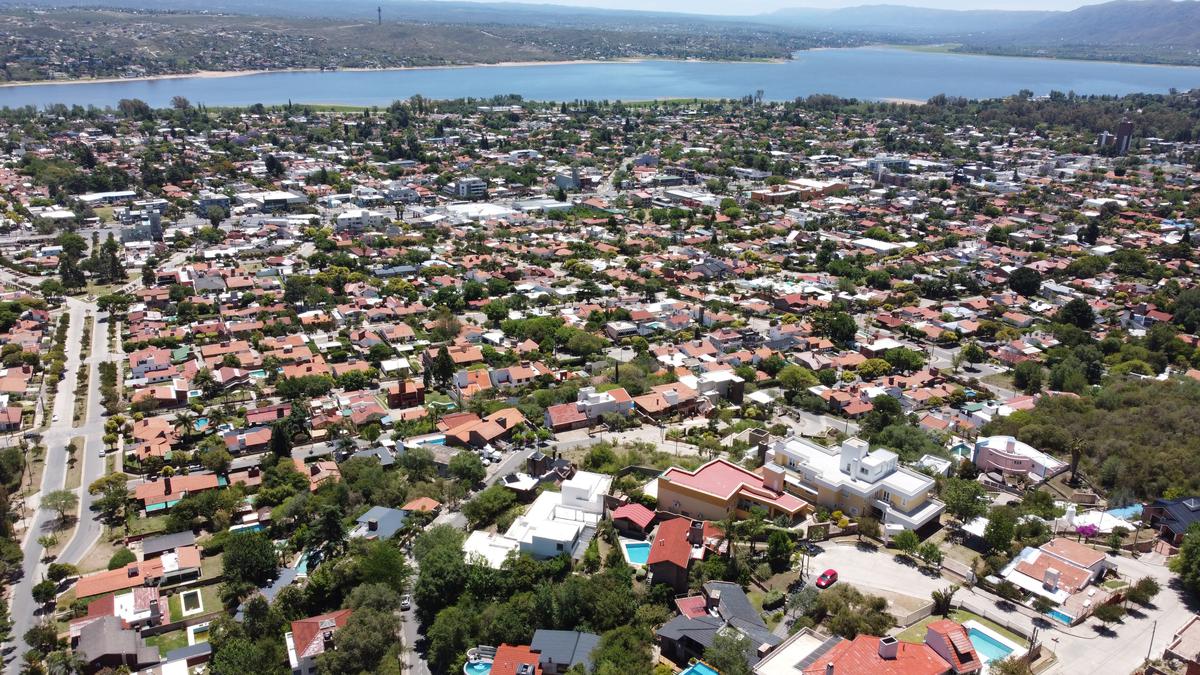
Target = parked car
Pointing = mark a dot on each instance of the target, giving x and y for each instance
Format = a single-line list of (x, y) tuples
[(406, 603), (827, 579)]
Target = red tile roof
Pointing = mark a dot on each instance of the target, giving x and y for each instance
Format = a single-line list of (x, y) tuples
[(509, 659), (306, 633), (671, 543), (634, 513), (860, 656)]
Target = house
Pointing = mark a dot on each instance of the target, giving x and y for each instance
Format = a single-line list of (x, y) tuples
[(267, 415), (516, 660), (162, 494), (559, 650), (311, 637), (379, 522), (10, 418), (556, 523), (1173, 517), (852, 479), (182, 564), (105, 643), (319, 472), (1185, 645), (589, 406), (666, 400), (670, 556), (946, 650), (154, 547), (1010, 456), (422, 505), (406, 394), (136, 609), (247, 441), (726, 609), (720, 489), (632, 519), (480, 432), (1062, 571)]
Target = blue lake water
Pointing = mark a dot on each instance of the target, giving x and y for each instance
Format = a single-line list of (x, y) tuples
[(869, 73)]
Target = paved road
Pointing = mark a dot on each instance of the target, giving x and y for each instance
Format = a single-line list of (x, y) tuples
[(89, 529), (53, 478)]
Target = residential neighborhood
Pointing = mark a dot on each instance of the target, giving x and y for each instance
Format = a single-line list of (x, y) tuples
[(509, 387)]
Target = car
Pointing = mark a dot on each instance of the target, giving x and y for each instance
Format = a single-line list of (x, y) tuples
[(55, 419), (406, 603), (827, 579)]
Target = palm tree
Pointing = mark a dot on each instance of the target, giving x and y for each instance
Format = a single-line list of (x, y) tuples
[(1076, 449), (729, 526), (185, 422)]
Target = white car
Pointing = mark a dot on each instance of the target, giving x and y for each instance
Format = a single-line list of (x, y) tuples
[(56, 418)]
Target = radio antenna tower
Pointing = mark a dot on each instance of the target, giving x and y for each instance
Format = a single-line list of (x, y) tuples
[(379, 11)]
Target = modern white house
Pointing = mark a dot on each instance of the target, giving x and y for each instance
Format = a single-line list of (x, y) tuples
[(357, 220), (556, 523), (857, 481)]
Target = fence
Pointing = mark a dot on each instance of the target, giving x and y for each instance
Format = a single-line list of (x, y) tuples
[(915, 615)]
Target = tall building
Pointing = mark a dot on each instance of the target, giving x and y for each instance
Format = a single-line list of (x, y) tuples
[(1124, 136)]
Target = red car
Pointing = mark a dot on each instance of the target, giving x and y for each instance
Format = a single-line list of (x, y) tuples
[(827, 579)]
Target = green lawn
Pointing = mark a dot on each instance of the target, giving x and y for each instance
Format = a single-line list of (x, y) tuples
[(147, 525), (167, 642), (915, 633)]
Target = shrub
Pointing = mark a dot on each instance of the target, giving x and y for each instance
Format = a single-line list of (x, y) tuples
[(121, 558), (773, 599)]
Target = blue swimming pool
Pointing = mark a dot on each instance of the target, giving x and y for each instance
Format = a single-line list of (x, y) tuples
[(200, 423), (699, 668), (638, 552), (1130, 512), (1060, 616), (988, 647), (478, 668)]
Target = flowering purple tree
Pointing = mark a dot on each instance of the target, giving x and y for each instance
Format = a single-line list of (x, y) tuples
[(1087, 531)]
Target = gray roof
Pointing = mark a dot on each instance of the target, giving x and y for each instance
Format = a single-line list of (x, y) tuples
[(105, 637), (388, 522), (733, 603), (385, 456), (190, 651), (167, 542), (286, 576), (566, 647)]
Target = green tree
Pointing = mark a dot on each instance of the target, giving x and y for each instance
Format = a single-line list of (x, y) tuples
[(729, 653), (1028, 377), (1002, 523), (906, 541), (623, 650), (44, 591), (121, 558), (249, 557), (467, 467), (1187, 563), (869, 527), (361, 644), (64, 502), (965, 500), (1026, 281), (1109, 614), (943, 600), (1076, 312), (779, 550)]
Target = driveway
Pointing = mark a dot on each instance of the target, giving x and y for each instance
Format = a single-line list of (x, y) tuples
[(1080, 649)]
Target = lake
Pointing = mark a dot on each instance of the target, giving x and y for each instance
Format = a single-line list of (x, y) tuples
[(868, 73)]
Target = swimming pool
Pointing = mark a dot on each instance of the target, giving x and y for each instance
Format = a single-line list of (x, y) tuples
[(1126, 512), (989, 648), (638, 552), (1059, 615), (200, 423), (699, 668), (478, 668)]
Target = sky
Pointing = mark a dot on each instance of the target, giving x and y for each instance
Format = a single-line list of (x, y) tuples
[(744, 7)]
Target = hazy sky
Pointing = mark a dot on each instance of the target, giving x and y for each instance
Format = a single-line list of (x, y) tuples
[(756, 6)]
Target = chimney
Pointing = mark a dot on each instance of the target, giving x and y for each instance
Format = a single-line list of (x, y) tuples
[(714, 598), (696, 533), (1011, 446), (254, 471), (132, 570), (372, 525), (166, 485), (327, 640), (829, 668), (1050, 578), (888, 647)]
